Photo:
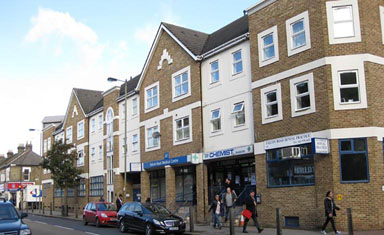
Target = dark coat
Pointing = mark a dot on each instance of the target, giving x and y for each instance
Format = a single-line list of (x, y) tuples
[(214, 206), (250, 205), (328, 207), (118, 204)]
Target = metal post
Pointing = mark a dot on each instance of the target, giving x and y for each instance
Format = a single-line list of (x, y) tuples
[(191, 219), (125, 139), (32, 205), (231, 221), (350, 223), (50, 209), (43, 207), (279, 230), (76, 211)]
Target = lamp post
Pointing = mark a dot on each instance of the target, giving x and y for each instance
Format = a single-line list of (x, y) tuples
[(110, 79)]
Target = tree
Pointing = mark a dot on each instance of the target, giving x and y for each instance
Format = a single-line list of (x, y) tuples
[(61, 161)]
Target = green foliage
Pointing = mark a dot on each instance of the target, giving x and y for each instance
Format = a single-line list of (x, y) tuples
[(61, 160)]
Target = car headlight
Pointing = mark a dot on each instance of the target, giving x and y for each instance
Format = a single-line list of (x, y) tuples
[(25, 232), (104, 215), (160, 223)]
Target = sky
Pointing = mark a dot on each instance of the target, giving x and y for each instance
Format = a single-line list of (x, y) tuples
[(49, 47)]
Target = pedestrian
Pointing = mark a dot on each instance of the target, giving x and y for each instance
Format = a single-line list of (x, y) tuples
[(228, 183), (148, 200), (101, 199), (330, 211), (250, 205), (218, 210), (229, 198), (119, 202)]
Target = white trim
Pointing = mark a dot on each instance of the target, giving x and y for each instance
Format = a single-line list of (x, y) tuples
[(146, 110), (263, 92), (259, 5), (29, 173), (174, 75), (356, 21), (260, 36), (66, 137), (77, 136), (381, 12), (225, 46), (164, 56), (235, 62), (288, 24), (47, 181), (84, 176), (311, 90), (110, 90)]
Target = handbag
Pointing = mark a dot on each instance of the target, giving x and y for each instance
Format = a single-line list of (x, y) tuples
[(247, 213)]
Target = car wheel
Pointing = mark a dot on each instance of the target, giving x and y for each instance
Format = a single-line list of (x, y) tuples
[(85, 222), (148, 229), (98, 222), (122, 227)]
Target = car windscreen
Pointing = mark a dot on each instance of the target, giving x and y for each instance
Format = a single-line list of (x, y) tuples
[(157, 209), (105, 207), (8, 212)]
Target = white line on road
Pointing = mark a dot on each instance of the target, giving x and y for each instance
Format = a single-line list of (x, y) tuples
[(58, 226), (39, 222), (92, 233)]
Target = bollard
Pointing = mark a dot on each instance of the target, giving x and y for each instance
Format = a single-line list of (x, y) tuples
[(279, 230), (32, 206), (231, 221), (350, 223), (50, 209), (191, 219), (76, 211), (43, 207), (27, 208)]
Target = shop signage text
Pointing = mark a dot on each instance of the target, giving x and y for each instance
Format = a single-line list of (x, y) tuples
[(168, 161), (229, 152), (288, 141), (320, 146), (16, 185)]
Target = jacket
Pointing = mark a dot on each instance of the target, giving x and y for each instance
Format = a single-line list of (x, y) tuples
[(214, 206), (250, 205), (118, 204), (329, 208), (234, 198)]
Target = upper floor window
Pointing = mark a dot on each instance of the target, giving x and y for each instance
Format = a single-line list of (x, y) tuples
[(45, 145), (134, 107), (100, 122), (181, 84), (238, 111), (343, 21), (302, 95), (354, 160), (349, 87), (101, 152), (182, 129), (271, 105), (93, 124), (152, 137), (93, 153), (109, 121), (49, 144), (381, 9), (237, 62), (135, 143), (216, 120), (268, 46), (80, 129), (26, 173), (80, 158), (152, 96), (298, 33), (215, 71), (69, 135)]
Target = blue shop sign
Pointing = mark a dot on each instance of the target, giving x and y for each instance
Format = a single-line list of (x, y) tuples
[(168, 161), (228, 152)]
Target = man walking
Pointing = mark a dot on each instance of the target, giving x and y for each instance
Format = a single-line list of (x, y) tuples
[(250, 205), (229, 198), (218, 210), (119, 202), (330, 211)]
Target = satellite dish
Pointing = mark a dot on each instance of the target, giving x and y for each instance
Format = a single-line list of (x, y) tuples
[(156, 135)]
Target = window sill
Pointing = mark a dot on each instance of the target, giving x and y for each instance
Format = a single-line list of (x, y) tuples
[(216, 133), (355, 182), (183, 141), (147, 110), (237, 76), (239, 128), (180, 97), (215, 84), (290, 186), (149, 149)]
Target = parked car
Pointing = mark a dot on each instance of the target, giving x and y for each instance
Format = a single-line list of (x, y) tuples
[(100, 213), (150, 218), (11, 222)]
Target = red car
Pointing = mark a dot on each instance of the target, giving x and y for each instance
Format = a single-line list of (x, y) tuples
[(100, 213)]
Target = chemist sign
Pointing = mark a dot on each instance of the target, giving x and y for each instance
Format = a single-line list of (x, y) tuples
[(320, 146), (228, 152)]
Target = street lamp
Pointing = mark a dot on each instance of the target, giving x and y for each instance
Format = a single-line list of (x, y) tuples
[(110, 79)]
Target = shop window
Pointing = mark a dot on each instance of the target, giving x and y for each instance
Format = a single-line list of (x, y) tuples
[(349, 87), (182, 129), (298, 34), (239, 113), (215, 76), (216, 120), (96, 186), (268, 46), (81, 188), (286, 171), (271, 107), (181, 84), (237, 63), (354, 160), (302, 95), (157, 183), (185, 183)]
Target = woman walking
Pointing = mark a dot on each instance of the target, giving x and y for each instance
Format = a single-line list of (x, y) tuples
[(218, 210), (330, 212)]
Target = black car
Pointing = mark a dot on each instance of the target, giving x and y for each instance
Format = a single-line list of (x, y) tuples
[(11, 221), (149, 218)]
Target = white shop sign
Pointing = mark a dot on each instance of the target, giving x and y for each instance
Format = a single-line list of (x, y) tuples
[(288, 141), (320, 146)]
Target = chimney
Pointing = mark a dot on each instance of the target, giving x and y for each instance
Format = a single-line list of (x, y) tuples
[(2, 157), (9, 154), (20, 149), (28, 147)]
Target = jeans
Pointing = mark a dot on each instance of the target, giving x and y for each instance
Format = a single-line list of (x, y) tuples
[(227, 210), (216, 221), (254, 218), (332, 222)]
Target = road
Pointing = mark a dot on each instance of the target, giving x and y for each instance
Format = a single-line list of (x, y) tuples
[(48, 225)]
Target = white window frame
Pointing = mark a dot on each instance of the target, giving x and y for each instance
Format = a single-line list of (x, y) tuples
[(214, 119), (135, 106), (356, 21), (93, 125), (149, 109), (29, 173), (237, 112), (236, 62), (154, 147), (214, 71), (135, 144), (183, 140), (80, 163), (101, 123), (68, 141), (381, 11), (101, 153), (265, 119), (49, 143), (349, 86), (78, 130), (93, 154), (260, 37), (45, 145), (178, 73), (295, 112), (288, 24)]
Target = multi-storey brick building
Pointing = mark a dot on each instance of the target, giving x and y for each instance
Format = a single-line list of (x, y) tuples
[(316, 69)]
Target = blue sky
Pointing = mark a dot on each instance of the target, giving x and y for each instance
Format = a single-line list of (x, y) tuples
[(49, 47)]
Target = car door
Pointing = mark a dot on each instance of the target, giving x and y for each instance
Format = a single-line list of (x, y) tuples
[(127, 215), (86, 212), (138, 219), (92, 213)]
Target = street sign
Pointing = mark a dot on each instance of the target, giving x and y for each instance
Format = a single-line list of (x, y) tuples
[(196, 158), (339, 197)]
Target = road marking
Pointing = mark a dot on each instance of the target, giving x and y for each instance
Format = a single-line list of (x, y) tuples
[(39, 222), (92, 233), (58, 226)]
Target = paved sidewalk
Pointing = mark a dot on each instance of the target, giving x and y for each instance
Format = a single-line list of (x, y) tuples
[(56, 214)]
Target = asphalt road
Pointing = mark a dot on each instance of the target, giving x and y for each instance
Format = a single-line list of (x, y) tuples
[(48, 225)]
